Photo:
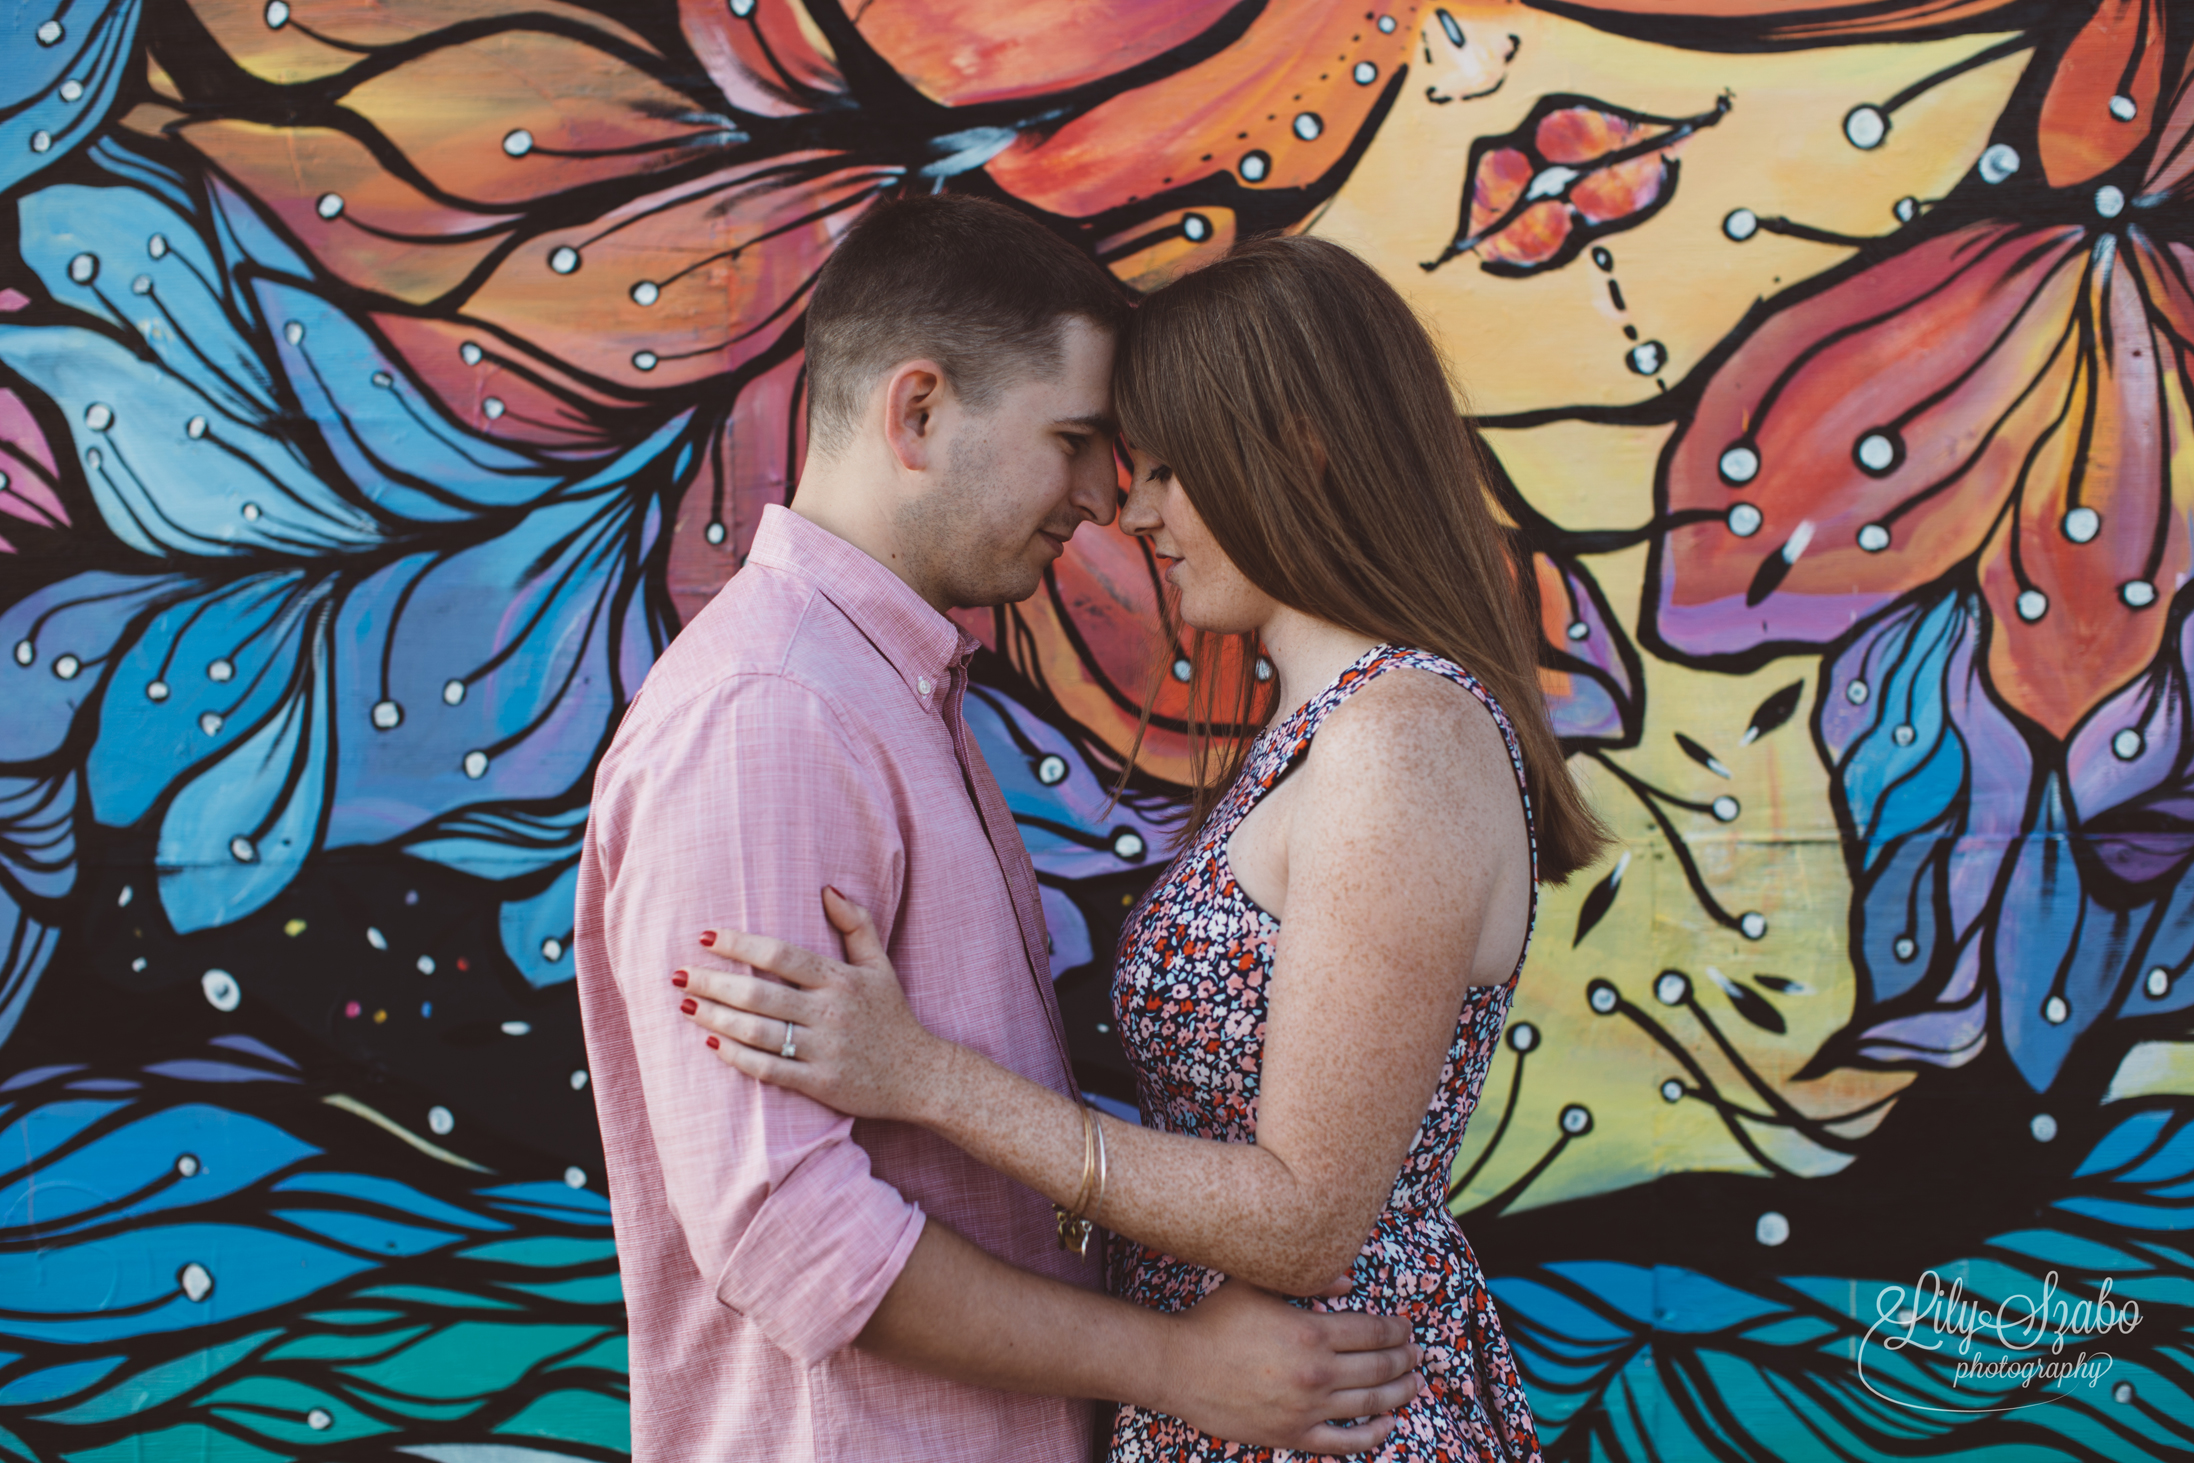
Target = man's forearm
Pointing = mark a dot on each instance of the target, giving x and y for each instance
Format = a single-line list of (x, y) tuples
[(958, 1312)]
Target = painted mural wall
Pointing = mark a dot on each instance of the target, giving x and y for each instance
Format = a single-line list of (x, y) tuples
[(383, 381)]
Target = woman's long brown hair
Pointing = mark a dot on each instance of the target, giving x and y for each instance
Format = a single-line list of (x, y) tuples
[(1312, 423)]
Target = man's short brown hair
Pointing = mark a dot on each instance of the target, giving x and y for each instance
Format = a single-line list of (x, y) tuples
[(965, 282)]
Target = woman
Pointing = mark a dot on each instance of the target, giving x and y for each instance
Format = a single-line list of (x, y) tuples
[(1311, 992)]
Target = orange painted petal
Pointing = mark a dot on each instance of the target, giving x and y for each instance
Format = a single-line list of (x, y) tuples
[(1535, 237), (323, 37), (2106, 585), (296, 171), (511, 118), (1620, 190), (1586, 134), (755, 461), (1743, 24), (769, 61), (1863, 439), (1168, 245), (727, 259), (969, 51), (1496, 183), (497, 388), (1246, 111), (2117, 57)]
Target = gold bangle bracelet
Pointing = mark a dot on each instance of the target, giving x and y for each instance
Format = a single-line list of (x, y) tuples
[(1074, 1230)]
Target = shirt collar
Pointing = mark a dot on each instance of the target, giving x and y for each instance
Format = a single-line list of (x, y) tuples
[(921, 644)]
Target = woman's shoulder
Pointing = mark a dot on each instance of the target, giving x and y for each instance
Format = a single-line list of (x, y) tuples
[(1414, 720)]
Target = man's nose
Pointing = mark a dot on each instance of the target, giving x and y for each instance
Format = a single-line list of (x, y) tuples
[(1099, 497)]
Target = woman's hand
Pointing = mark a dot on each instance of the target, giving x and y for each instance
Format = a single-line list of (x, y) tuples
[(854, 1041)]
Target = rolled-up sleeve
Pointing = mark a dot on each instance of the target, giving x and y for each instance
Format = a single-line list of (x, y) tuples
[(731, 812)]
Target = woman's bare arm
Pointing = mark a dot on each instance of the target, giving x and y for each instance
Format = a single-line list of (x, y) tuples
[(1407, 838)]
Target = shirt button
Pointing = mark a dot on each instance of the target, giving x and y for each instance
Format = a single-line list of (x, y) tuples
[(922, 684)]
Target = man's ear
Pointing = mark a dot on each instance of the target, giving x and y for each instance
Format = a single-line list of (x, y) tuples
[(912, 394)]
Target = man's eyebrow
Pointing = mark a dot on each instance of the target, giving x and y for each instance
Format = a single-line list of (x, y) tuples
[(1103, 426)]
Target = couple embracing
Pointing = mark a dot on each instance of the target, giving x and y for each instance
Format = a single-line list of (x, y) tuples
[(854, 1199)]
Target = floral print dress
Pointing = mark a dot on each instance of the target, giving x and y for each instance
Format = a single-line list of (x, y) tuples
[(1190, 991)]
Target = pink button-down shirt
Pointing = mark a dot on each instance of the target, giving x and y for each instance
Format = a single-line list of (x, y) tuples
[(804, 729)]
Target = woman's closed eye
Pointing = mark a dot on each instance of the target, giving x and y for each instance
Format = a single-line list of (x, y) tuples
[(1159, 473)]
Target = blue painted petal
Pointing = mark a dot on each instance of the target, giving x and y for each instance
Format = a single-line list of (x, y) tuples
[(163, 492), (72, 626), (27, 944), (369, 1232), (163, 1383), (2044, 951), (1071, 827), (55, 1382), (537, 931), (500, 842), (65, 66), (1899, 782), (233, 1152), (238, 832), (388, 1193), (2124, 1143)]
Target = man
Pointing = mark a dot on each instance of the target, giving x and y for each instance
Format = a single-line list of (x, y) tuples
[(802, 1285)]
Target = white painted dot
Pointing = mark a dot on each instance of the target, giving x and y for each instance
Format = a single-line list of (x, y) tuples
[(1365, 73), (576, 1177), (1254, 166), (453, 692), (714, 533), (645, 360), (187, 1165), (2124, 108), (329, 206), (469, 353), (195, 428), (2158, 983), (440, 1122), (1999, 163), (319, 1419), (1865, 127), (220, 670), (476, 765), (2127, 744), (1052, 770), (1523, 1036), (1672, 988), (552, 950), (222, 991), (387, 715), (579, 1080), (138, 964), (1876, 452), (2123, 1392), (2055, 1011), (67, 667), (25, 652), (2082, 524), (1308, 125), (1129, 846), (1386, 25), (1740, 224), (251, 512), (1773, 1229), (156, 690), (1578, 630), (93, 460), (2032, 605), (517, 1028), (122, 901), (72, 90), (1183, 668), (41, 141), (196, 1280), (1906, 209), (1752, 925), (210, 723), (424, 965), (84, 268), (1264, 671), (1874, 538), (1739, 464), (2044, 1127), (1745, 520), (240, 849), (50, 33), (1903, 734), (492, 408), (1726, 808), (742, 8), (2138, 594), (518, 142), (2109, 200), (1856, 692), (1672, 1091), (564, 259), (1576, 1120), (1195, 227), (1905, 947), (294, 332), (1602, 997), (157, 246), (375, 938), (1647, 357), (646, 292), (277, 14)]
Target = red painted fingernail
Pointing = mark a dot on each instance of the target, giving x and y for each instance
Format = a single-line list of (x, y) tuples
[(712, 1043), (708, 937), (688, 1006), (678, 979)]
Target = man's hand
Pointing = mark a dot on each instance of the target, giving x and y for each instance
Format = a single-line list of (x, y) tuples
[(1254, 1369)]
